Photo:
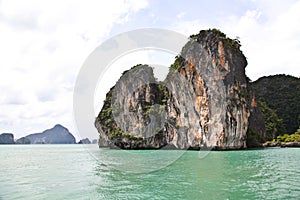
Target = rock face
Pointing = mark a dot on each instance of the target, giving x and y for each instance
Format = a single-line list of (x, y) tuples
[(256, 133), (7, 138), (209, 95), (56, 135), (23, 140), (204, 102), (84, 141)]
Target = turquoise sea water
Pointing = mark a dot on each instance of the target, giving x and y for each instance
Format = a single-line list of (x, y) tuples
[(85, 172)]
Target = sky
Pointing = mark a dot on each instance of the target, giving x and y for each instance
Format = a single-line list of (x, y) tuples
[(43, 45)]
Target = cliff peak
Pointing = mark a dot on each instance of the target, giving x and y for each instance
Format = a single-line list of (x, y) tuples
[(59, 126), (211, 37)]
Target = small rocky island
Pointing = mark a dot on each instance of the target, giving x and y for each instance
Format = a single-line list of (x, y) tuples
[(85, 141), (205, 102), (56, 135), (7, 138)]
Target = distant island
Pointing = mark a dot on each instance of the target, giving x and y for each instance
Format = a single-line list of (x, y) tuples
[(85, 141), (56, 135), (205, 102)]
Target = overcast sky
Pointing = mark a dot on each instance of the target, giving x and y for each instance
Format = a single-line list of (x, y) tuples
[(43, 44)]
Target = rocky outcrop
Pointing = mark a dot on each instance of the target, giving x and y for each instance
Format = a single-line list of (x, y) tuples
[(95, 141), (84, 141), (7, 138), (290, 144), (23, 140), (204, 102), (281, 144), (56, 135)]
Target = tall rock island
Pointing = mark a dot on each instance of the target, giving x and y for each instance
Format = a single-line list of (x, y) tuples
[(205, 102)]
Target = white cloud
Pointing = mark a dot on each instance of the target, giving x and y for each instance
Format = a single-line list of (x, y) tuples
[(43, 44), (271, 45), (269, 35), (180, 15)]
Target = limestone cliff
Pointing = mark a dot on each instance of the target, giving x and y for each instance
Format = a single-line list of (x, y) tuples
[(204, 102)]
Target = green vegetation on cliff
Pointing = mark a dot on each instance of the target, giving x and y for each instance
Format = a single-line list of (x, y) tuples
[(283, 140), (288, 138), (105, 117), (235, 43), (273, 123), (279, 95), (179, 61)]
